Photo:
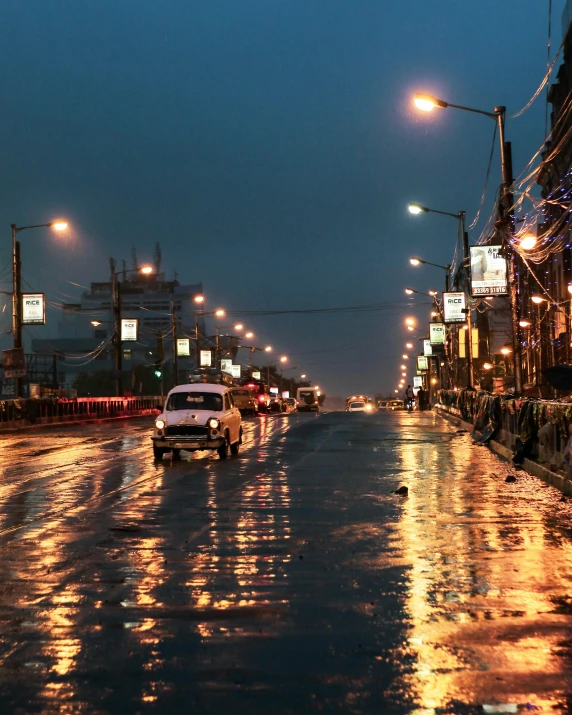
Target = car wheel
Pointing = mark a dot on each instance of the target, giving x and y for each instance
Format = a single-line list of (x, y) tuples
[(235, 448), (223, 451), (176, 454), (158, 452)]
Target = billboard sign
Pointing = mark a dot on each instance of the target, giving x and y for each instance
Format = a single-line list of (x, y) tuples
[(454, 305), (206, 358), (33, 309), (427, 349), (14, 362), (488, 271), (235, 370), (422, 362), (436, 333), (129, 329), (226, 365), (256, 375), (417, 381), (183, 347)]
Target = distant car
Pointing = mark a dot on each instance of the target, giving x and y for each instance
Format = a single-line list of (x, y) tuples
[(196, 417), (395, 405), (288, 404), (275, 403), (356, 406), (245, 400), (382, 404)]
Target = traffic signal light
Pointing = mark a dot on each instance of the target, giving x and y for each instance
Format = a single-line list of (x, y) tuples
[(159, 361)]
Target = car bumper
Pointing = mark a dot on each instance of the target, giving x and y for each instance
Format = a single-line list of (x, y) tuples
[(184, 442)]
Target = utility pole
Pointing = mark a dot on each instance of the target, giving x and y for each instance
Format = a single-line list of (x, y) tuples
[(17, 301), (174, 345), (467, 262), (506, 211), (116, 302), (159, 362), (197, 340)]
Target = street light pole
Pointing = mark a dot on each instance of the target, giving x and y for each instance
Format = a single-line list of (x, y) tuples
[(506, 212), (507, 218), (174, 345), (17, 286)]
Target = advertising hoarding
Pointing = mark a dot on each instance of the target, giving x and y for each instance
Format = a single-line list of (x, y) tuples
[(235, 370), (14, 362), (33, 309), (226, 365), (129, 329), (436, 333), (417, 381), (488, 271), (256, 375), (422, 362), (206, 358), (427, 349), (183, 347), (454, 305)]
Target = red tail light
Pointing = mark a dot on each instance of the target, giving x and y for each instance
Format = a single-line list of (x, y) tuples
[(261, 398)]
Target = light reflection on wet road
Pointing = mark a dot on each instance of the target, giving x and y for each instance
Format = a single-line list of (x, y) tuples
[(288, 580)]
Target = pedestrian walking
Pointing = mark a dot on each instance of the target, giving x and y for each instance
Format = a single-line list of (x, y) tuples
[(409, 398), (422, 397)]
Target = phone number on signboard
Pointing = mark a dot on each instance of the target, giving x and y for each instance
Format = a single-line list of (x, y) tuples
[(498, 290)]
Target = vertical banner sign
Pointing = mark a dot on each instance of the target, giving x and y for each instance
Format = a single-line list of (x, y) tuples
[(129, 329), (436, 333), (454, 307), (235, 370), (488, 271), (417, 381), (422, 363), (226, 365), (33, 309), (183, 347), (206, 357), (255, 375), (427, 349)]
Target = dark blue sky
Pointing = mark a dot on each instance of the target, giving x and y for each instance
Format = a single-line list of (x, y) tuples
[(269, 146)]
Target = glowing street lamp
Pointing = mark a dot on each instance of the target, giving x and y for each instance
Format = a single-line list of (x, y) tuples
[(268, 349), (220, 313), (238, 327), (409, 346), (524, 323), (283, 359), (537, 299), (199, 299), (249, 335), (527, 242)]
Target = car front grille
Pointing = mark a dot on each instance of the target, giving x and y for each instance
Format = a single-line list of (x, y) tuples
[(186, 431)]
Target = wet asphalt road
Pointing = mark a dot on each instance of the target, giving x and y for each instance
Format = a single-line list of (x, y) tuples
[(289, 580)]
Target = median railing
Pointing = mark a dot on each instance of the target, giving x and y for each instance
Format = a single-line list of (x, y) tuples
[(540, 430), (55, 410)]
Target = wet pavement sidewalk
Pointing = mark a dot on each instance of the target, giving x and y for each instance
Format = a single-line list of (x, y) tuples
[(289, 580)]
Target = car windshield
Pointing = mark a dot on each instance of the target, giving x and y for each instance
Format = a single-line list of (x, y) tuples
[(210, 401), (357, 404), (240, 393)]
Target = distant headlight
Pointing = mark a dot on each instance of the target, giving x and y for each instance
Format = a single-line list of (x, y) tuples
[(214, 424), (368, 408)]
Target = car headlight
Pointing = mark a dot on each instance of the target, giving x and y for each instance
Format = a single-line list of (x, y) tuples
[(160, 424), (214, 424)]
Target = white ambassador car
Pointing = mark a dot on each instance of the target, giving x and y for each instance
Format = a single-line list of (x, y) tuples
[(195, 417)]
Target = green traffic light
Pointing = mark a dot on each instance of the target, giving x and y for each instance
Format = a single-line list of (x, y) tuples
[(158, 373)]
